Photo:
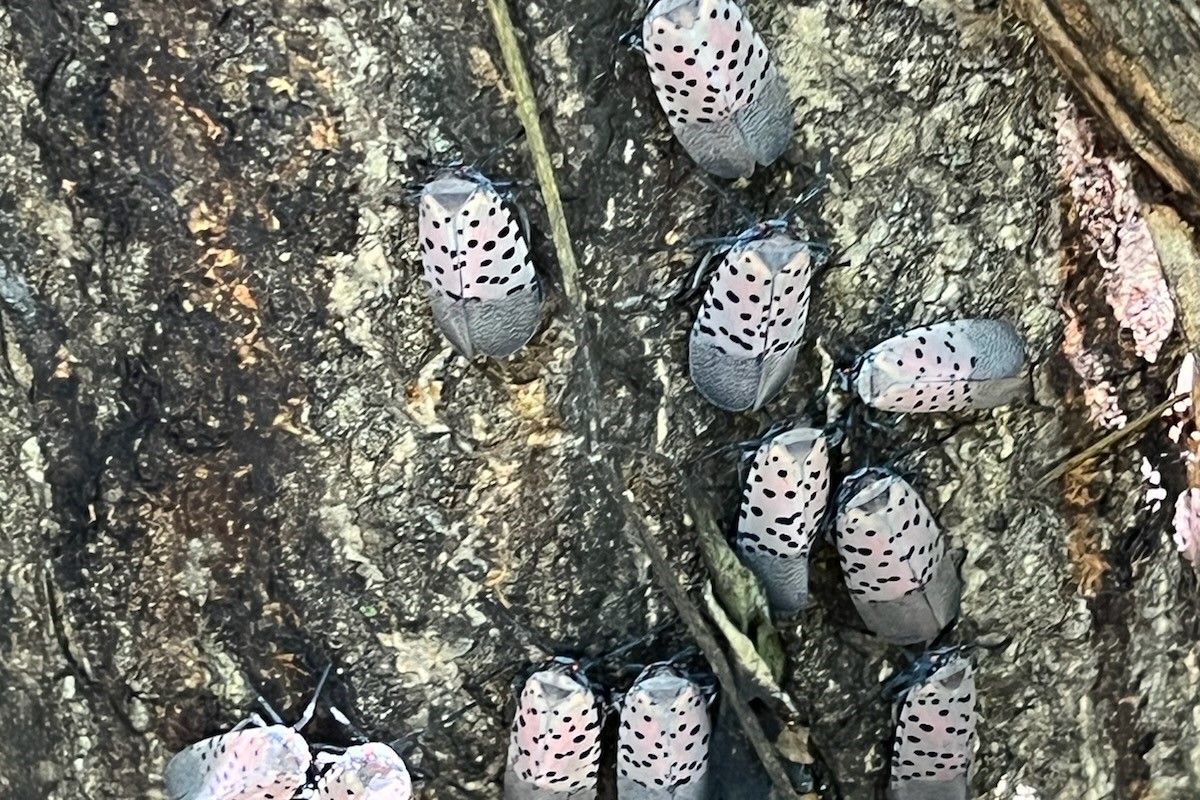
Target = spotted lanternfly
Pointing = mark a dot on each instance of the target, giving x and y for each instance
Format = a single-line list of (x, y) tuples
[(725, 100), (783, 502), (745, 340), (485, 294), (247, 763), (952, 366), (253, 761), (935, 734), (554, 749), (371, 771), (894, 561), (662, 751)]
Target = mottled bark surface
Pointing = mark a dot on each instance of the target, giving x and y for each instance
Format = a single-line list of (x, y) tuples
[(237, 447), (1134, 62)]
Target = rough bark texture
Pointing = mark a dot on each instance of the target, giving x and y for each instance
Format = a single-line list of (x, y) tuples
[(1135, 62), (236, 445)]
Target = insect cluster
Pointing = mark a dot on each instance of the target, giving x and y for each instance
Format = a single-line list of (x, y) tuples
[(743, 345), (555, 748), (257, 760), (729, 107), (893, 554)]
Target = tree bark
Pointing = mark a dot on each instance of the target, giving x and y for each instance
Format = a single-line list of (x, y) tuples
[(1135, 63), (238, 448)]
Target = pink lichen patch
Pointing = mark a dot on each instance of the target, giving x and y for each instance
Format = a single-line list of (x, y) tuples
[(1111, 221), (1098, 394)]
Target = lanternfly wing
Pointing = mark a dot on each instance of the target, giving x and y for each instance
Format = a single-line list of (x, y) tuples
[(371, 771), (735, 308), (887, 539), (751, 321), (246, 764), (935, 735), (715, 80), (791, 263), (554, 749), (951, 366), (664, 738), (485, 293), (471, 241), (894, 560), (783, 503)]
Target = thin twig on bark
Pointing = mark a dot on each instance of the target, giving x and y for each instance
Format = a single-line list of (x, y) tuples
[(636, 526), (1108, 441), (638, 529), (527, 110)]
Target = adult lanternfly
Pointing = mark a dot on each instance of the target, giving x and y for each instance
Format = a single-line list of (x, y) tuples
[(726, 102), (747, 335), (485, 294)]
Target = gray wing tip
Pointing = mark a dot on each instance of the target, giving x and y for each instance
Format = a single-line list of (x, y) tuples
[(955, 788), (729, 383), (717, 147), (1003, 391), (451, 321), (517, 789), (721, 168), (775, 371), (767, 122), (920, 616), (181, 776), (493, 328), (784, 580)]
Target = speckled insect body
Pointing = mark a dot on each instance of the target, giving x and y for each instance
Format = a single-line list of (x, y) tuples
[(893, 556), (747, 335), (952, 366), (370, 771), (783, 503), (554, 748), (663, 742), (248, 763), (935, 734), (714, 78), (485, 293)]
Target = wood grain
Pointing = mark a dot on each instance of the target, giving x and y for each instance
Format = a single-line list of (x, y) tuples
[(1135, 63)]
